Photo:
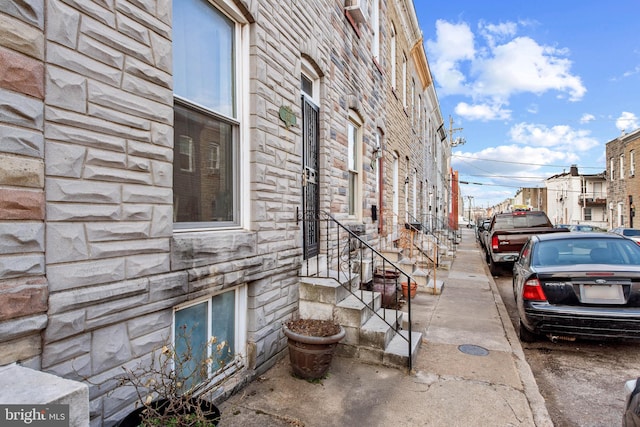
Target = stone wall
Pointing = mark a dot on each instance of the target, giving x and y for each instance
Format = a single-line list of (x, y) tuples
[(90, 265), (23, 285), (618, 190)]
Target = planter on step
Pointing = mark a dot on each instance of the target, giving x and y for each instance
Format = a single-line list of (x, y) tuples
[(406, 292), (312, 343), (386, 282)]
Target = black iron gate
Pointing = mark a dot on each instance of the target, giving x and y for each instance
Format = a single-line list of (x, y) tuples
[(310, 177)]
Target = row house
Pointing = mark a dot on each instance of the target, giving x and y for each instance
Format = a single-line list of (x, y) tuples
[(162, 162), (412, 182), (624, 186), (532, 197), (574, 198)]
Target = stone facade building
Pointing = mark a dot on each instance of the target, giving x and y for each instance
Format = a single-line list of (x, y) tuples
[(151, 177), (624, 185), (410, 140)]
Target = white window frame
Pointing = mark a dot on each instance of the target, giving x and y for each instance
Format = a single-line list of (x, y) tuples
[(632, 165), (185, 148), (240, 323), (396, 187), (404, 80), (306, 69), (240, 123), (354, 165), (612, 173), (375, 24), (621, 166), (394, 76)]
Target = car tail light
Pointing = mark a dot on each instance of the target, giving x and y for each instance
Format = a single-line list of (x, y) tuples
[(494, 242), (532, 291)]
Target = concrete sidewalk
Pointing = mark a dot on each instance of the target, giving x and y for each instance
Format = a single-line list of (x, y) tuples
[(470, 370)]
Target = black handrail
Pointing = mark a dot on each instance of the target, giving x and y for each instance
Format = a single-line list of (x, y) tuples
[(346, 254)]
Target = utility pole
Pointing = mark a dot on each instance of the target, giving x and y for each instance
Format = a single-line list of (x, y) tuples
[(470, 199), (459, 140)]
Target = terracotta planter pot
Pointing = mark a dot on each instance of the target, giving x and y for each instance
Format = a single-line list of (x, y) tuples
[(405, 289), (311, 356)]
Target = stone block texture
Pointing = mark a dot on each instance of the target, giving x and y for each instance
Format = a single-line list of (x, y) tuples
[(91, 267), (23, 284)]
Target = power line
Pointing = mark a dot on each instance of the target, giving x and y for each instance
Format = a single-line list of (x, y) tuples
[(528, 164)]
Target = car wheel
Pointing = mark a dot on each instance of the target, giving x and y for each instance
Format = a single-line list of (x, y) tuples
[(526, 335)]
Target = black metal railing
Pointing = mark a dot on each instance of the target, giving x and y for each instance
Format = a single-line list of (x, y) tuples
[(346, 256), (447, 236)]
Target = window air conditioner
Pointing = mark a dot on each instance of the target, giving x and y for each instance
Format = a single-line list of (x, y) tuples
[(356, 9)]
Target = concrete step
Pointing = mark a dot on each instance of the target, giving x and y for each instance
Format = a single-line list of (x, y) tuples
[(397, 352), (393, 255), (354, 311), (378, 331), (319, 296)]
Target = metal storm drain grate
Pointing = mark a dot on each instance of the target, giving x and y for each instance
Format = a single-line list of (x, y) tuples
[(474, 350)]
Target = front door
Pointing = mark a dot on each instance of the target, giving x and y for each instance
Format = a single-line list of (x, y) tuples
[(310, 178)]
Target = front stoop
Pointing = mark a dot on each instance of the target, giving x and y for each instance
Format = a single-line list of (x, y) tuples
[(368, 337), (397, 354)]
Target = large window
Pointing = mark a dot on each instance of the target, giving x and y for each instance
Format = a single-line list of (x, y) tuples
[(206, 126), (212, 329), (404, 81), (375, 25), (393, 58), (354, 149)]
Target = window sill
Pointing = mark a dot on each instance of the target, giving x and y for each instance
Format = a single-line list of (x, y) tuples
[(353, 23), (199, 248), (378, 66)]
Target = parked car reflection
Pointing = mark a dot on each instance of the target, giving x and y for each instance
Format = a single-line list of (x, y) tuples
[(586, 285), (632, 233), (585, 228)]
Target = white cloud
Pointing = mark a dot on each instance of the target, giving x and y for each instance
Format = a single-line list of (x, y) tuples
[(483, 112), (454, 44), (627, 122), (493, 32), (503, 66), (586, 118), (561, 137), (522, 65)]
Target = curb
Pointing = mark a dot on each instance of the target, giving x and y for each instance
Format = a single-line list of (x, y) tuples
[(531, 391)]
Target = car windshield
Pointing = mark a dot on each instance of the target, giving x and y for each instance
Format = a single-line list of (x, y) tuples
[(585, 251), (519, 220), (630, 232)]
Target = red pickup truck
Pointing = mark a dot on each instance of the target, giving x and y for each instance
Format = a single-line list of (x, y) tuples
[(508, 232)]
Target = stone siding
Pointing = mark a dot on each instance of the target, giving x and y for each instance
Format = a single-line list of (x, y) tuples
[(23, 285), (619, 190), (91, 267)]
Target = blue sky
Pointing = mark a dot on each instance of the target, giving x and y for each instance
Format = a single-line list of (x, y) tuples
[(535, 86)]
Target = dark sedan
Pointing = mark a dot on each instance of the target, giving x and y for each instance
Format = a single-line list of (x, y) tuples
[(585, 285)]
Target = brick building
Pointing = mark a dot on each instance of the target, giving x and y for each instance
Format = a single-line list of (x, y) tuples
[(623, 184), (150, 176)]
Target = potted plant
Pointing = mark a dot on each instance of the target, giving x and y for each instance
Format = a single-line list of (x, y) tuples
[(312, 343), (176, 389)]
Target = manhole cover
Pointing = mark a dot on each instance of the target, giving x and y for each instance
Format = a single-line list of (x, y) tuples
[(474, 350)]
